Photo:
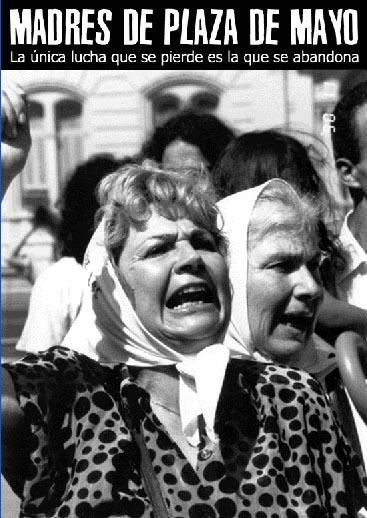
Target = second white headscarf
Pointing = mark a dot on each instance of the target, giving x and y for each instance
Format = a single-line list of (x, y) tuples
[(236, 211)]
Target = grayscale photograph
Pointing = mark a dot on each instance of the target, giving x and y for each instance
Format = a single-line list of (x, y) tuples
[(184, 293)]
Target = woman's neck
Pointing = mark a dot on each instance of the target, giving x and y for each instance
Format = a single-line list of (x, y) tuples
[(162, 385)]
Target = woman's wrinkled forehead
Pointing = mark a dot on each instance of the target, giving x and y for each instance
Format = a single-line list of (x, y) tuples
[(171, 215), (204, 221), (274, 217)]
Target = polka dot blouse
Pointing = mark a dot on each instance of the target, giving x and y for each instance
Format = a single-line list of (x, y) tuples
[(281, 452)]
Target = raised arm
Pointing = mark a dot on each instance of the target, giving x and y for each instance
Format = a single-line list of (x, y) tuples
[(351, 354), (15, 135), (337, 316), (16, 437)]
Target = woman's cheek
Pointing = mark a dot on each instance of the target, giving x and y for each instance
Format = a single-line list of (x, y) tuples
[(260, 326)]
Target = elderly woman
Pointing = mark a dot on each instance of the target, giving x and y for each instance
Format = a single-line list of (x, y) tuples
[(277, 235), (167, 424)]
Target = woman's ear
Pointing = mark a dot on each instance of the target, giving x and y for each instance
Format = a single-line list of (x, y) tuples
[(348, 173)]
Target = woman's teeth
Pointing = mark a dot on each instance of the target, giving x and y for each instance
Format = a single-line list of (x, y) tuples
[(190, 296), (188, 304)]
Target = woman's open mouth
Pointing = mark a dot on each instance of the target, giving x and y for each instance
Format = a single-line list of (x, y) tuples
[(192, 296), (298, 322)]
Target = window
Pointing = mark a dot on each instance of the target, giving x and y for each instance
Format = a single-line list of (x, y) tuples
[(33, 180), (57, 145), (69, 138)]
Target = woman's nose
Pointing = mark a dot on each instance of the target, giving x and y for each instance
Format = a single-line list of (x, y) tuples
[(189, 259), (307, 284)]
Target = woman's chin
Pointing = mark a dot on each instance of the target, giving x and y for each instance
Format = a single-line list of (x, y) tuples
[(194, 317), (193, 331), (289, 351)]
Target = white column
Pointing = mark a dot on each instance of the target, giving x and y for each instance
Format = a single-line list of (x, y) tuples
[(50, 145)]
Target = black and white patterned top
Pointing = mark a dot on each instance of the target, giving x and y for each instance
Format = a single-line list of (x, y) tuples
[(281, 451)]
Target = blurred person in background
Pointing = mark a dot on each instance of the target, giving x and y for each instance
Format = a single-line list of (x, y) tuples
[(47, 222), (188, 140), (57, 293), (350, 151)]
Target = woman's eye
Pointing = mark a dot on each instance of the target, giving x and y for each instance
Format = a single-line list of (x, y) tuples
[(158, 250), (205, 243), (284, 266)]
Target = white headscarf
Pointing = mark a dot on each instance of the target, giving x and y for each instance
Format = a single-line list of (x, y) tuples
[(236, 211), (108, 330)]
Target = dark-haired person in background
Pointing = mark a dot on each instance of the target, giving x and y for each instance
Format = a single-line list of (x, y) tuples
[(57, 293), (188, 140), (254, 157), (350, 150)]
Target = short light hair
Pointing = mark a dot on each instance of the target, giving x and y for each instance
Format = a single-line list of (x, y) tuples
[(307, 208), (127, 198)]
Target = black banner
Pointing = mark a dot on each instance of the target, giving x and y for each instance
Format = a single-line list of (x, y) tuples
[(110, 37)]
